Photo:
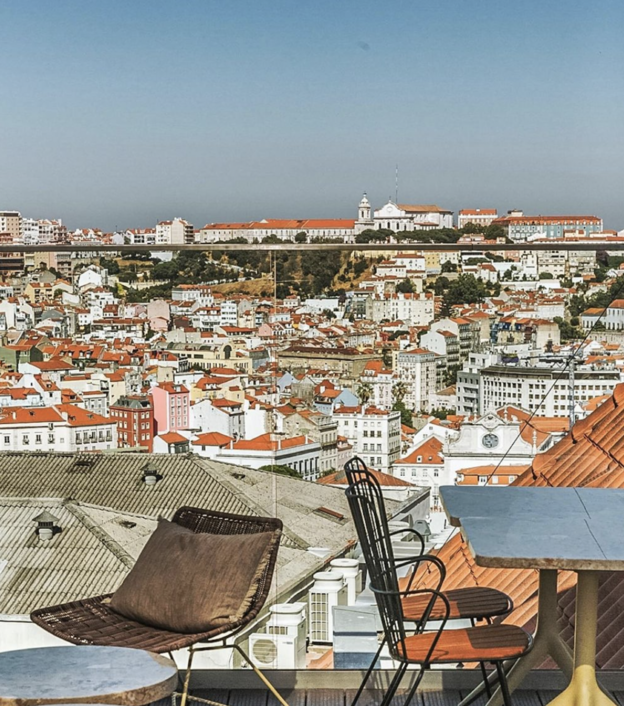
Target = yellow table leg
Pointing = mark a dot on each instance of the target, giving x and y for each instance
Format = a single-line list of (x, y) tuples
[(546, 641), (583, 690)]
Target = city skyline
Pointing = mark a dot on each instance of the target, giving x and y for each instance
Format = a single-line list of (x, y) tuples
[(124, 115)]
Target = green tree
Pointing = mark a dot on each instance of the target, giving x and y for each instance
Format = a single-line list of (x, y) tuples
[(492, 232), (365, 392), (441, 285), (406, 415), (111, 265), (466, 289), (472, 228), (329, 314), (301, 237), (448, 266), (399, 390), (546, 275), (451, 375), (405, 286)]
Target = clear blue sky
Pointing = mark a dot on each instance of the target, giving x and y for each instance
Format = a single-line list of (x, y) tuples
[(122, 113)]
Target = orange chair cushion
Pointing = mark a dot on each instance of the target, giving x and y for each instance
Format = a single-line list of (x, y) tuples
[(476, 602), (488, 643)]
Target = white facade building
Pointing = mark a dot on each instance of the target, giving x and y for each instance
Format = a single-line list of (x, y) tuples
[(300, 453), (403, 217), (487, 441), (64, 427), (375, 434), (417, 369), (540, 389), (175, 232), (413, 309)]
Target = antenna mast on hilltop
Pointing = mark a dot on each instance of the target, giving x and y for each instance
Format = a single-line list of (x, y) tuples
[(396, 185)]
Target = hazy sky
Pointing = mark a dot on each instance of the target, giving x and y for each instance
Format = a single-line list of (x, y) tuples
[(117, 114)]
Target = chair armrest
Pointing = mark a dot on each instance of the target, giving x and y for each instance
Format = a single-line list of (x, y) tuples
[(421, 539), (435, 596)]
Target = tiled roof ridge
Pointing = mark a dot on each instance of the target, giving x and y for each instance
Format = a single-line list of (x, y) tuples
[(101, 535), (254, 508)]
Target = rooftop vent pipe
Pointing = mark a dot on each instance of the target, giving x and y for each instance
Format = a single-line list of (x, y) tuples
[(151, 476), (46, 525)]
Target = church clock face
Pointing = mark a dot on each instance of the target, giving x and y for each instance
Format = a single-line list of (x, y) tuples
[(490, 441)]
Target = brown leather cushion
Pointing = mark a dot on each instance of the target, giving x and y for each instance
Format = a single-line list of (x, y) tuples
[(188, 582)]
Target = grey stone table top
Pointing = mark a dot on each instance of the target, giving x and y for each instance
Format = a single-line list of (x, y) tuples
[(540, 528), (84, 674)]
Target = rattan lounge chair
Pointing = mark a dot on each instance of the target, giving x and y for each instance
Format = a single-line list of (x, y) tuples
[(422, 647), (473, 604), (93, 622)]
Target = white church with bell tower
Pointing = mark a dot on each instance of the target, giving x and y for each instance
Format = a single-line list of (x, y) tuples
[(401, 217)]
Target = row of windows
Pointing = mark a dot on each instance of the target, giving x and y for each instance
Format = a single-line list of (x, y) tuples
[(26, 439), (127, 425), (91, 436)]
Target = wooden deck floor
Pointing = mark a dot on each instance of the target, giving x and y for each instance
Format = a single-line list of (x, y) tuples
[(335, 697)]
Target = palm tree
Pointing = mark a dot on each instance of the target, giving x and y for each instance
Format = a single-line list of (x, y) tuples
[(365, 392), (399, 390)]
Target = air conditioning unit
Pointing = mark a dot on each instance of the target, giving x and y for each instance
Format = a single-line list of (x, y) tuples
[(350, 569), (276, 651), (329, 590)]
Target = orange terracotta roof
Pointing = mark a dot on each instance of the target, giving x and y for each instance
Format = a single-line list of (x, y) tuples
[(212, 438), (429, 452), (471, 475), (268, 442), (173, 437)]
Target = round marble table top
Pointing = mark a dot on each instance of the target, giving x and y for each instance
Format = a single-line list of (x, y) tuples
[(84, 674)]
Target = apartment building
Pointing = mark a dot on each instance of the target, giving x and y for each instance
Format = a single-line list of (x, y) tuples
[(171, 407), (134, 415), (300, 453), (175, 232), (285, 229), (479, 216), (63, 427), (319, 427), (417, 369), (540, 389), (468, 381), (375, 434), (521, 228), (11, 224), (413, 309)]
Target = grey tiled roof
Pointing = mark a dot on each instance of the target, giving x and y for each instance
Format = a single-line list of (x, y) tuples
[(98, 496), (91, 555)]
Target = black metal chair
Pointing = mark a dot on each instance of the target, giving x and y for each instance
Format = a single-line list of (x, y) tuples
[(487, 643), (473, 604)]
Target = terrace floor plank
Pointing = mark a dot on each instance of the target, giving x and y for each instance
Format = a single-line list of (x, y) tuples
[(325, 697), (293, 697), (448, 697), (248, 697)]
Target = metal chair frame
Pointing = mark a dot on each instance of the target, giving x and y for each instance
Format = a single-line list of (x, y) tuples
[(356, 470), (368, 510)]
